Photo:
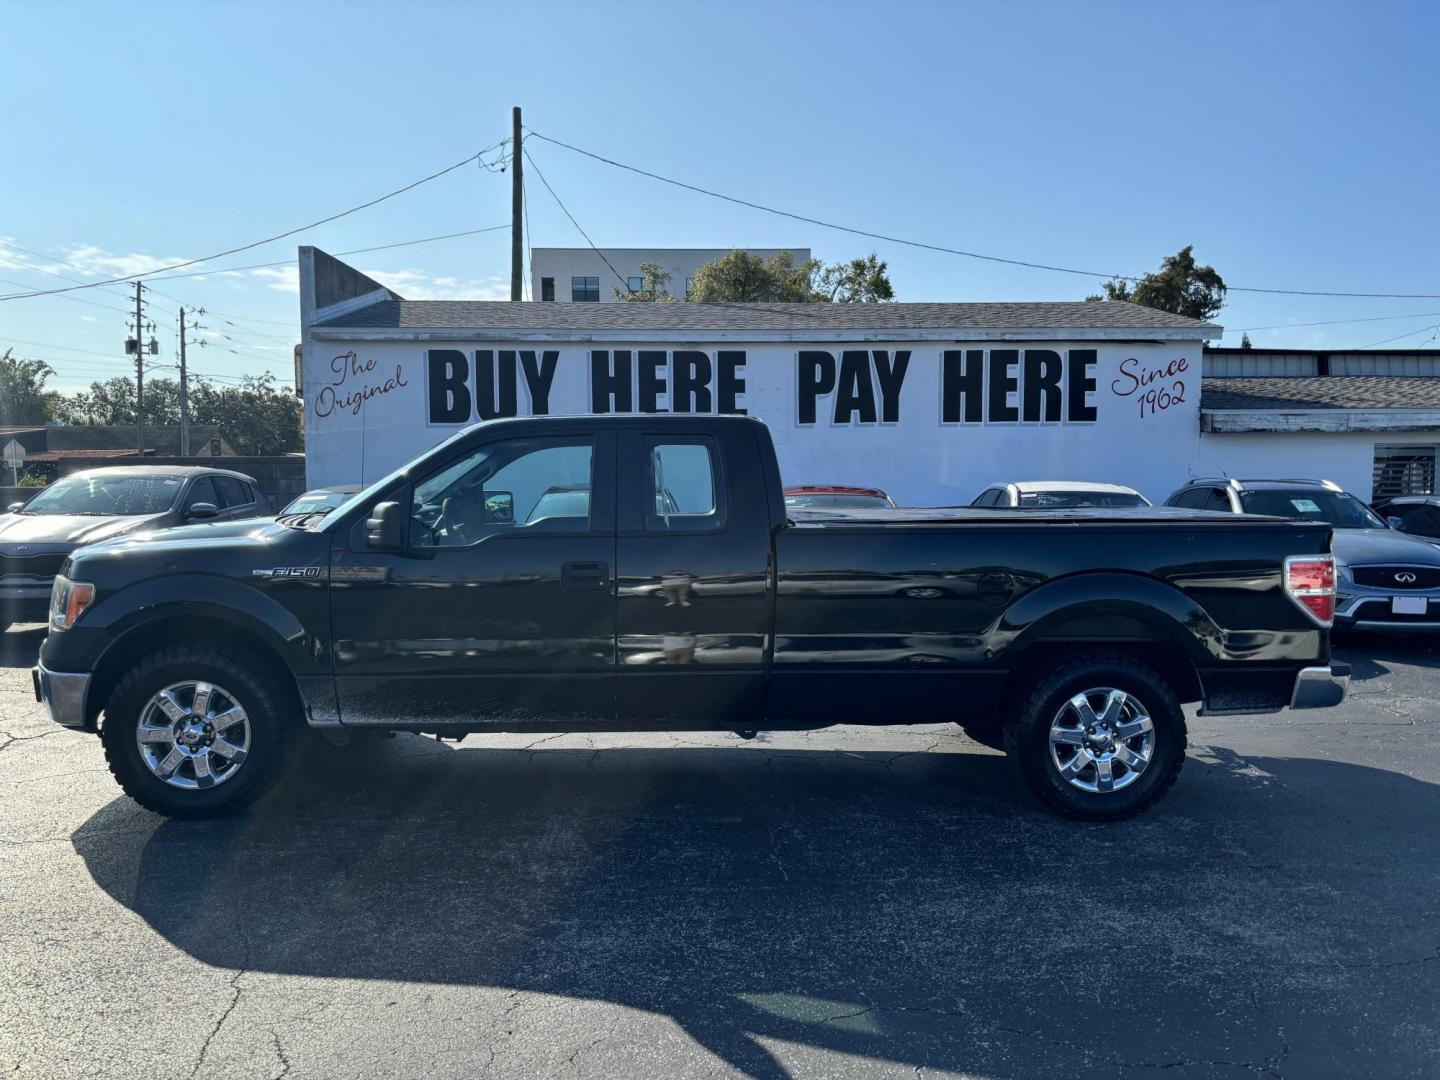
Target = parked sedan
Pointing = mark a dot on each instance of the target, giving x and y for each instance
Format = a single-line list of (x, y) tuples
[(1385, 580), (837, 497), (37, 536), (1058, 495)]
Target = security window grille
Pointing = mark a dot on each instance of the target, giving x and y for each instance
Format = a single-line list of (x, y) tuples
[(1404, 470), (585, 290), (547, 288)]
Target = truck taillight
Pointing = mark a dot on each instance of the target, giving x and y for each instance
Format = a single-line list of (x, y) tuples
[(1310, 582)]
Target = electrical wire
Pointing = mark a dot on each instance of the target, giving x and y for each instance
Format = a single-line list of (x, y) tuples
[(938, 247), (531, 159), (1400, 337), (267, 240)]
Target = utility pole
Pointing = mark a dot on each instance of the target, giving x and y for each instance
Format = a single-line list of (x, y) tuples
[(517, 211), (139, 372), (184, 394)]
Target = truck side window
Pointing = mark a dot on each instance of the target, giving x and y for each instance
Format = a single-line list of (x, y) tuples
[(684, 494), (540, 485)]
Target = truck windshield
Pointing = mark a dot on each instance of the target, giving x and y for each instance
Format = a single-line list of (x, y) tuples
[(1334, 508), (105, 495)]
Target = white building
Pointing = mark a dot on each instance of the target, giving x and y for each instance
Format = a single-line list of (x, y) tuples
[(930, 402), (580, 275)]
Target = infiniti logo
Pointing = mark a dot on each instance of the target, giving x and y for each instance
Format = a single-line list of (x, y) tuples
[(1405, 578)]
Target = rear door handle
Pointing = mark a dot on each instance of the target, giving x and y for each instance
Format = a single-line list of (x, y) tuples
[(578, 576)]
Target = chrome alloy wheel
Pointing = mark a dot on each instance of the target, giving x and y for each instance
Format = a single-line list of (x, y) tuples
[(193, 735), (1101, 740)]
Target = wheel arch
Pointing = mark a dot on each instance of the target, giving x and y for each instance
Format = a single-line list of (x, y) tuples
[(185, 624), (1113, 612)]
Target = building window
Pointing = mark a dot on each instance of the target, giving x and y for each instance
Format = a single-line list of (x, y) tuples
[(635, 284), (689, 287), (547, 288), (1403, 470), (585, 290)]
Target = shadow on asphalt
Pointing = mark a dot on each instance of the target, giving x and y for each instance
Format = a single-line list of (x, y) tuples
[(20, 645), (918, 908)]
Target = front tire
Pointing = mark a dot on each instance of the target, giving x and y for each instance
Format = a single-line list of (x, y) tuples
[(195, 732), (1100, 739)]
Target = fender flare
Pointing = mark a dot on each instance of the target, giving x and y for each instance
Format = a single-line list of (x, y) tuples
[(1163, 609)]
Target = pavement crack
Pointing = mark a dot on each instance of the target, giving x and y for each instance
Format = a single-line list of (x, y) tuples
[(280, 1053), (238, 992)]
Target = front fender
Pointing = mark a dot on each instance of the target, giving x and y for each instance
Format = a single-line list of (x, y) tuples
[(174, 598), (1108, 606)]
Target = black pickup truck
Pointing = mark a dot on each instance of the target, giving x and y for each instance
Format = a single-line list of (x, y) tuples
[(641, 573)]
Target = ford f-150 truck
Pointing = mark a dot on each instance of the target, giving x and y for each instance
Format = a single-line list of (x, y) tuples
[(641, 573)]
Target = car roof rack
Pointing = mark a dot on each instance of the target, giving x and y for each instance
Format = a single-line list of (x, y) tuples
[(1239, 485)]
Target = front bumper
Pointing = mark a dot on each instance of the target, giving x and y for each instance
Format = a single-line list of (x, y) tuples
[(1320, 687), (63, 694), (25, 601), (1360, 608)]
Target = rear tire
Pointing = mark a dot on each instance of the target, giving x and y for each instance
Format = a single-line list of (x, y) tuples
[(1100, 739), (193, 731)]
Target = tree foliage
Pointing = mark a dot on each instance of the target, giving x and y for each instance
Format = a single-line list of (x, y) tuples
[(655, 290), (859, 281), (1179, 286), (23, 397), (743, 278), (256, 417)]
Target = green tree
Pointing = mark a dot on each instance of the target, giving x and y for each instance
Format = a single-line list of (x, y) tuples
[(859, 281), (256, 417), (1179, 286), (1245, 341), (23, 398), (654, 290), (742, 278)]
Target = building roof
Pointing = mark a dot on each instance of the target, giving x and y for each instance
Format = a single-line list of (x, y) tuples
[(1278, 392), (811, 321), (119, 438)]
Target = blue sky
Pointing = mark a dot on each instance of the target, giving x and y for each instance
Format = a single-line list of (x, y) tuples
[(1293, 144)]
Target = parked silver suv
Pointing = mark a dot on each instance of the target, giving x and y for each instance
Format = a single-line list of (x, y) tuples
[(1385, 580)]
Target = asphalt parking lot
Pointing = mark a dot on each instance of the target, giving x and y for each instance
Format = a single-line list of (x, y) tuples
[(843, 903)]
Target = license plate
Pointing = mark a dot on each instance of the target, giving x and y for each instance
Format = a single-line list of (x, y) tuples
[(1409, 605)]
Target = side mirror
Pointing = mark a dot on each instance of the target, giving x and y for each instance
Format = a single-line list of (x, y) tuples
[(14, 507), (385, 527), (202, 510), (1396, 523), (499, 507)]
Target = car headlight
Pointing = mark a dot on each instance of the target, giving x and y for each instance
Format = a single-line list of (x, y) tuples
[(68, 601)]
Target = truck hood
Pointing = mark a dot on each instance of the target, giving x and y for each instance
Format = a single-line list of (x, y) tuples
[(1359, 546), (57, 532), (201, 535)]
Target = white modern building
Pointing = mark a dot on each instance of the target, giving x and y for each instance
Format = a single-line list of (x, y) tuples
[(581, 275)]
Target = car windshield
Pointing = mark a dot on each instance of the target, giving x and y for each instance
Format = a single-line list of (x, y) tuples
[(837, 502), (315, 502), (1332, 507), (102, 494), (1066, 500)]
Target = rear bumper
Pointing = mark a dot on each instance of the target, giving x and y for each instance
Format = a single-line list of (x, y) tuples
[(1320, 687), (64, 695)]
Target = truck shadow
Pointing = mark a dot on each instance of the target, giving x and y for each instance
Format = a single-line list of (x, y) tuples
[(913, 908)]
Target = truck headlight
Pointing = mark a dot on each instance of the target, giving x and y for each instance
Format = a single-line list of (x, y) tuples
[(68, 601)]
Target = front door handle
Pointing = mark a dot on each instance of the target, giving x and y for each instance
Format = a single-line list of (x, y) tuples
[(579, 576)]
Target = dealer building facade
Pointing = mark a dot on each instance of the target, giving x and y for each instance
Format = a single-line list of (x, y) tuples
[(930, 402)]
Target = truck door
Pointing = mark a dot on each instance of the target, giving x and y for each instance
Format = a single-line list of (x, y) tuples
[(502, 608), (693, 578)]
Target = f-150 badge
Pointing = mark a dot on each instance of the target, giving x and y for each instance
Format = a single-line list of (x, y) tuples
[(288, 572)]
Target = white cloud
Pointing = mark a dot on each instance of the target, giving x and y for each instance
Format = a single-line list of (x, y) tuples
[(419, 285), (92, 261), (286, 279)]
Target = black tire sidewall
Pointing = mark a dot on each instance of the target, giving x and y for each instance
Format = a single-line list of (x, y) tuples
[(244, 682), (1029, 738)]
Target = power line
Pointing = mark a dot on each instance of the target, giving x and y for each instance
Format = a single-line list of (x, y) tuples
[(1400, 337), (1334, 322), (939, 247), (268, 240), (530, 158)]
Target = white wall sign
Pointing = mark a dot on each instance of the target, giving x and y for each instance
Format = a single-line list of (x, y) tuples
[(930, 423)]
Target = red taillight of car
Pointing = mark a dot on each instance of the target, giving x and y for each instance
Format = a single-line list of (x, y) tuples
[(1310, 582)]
